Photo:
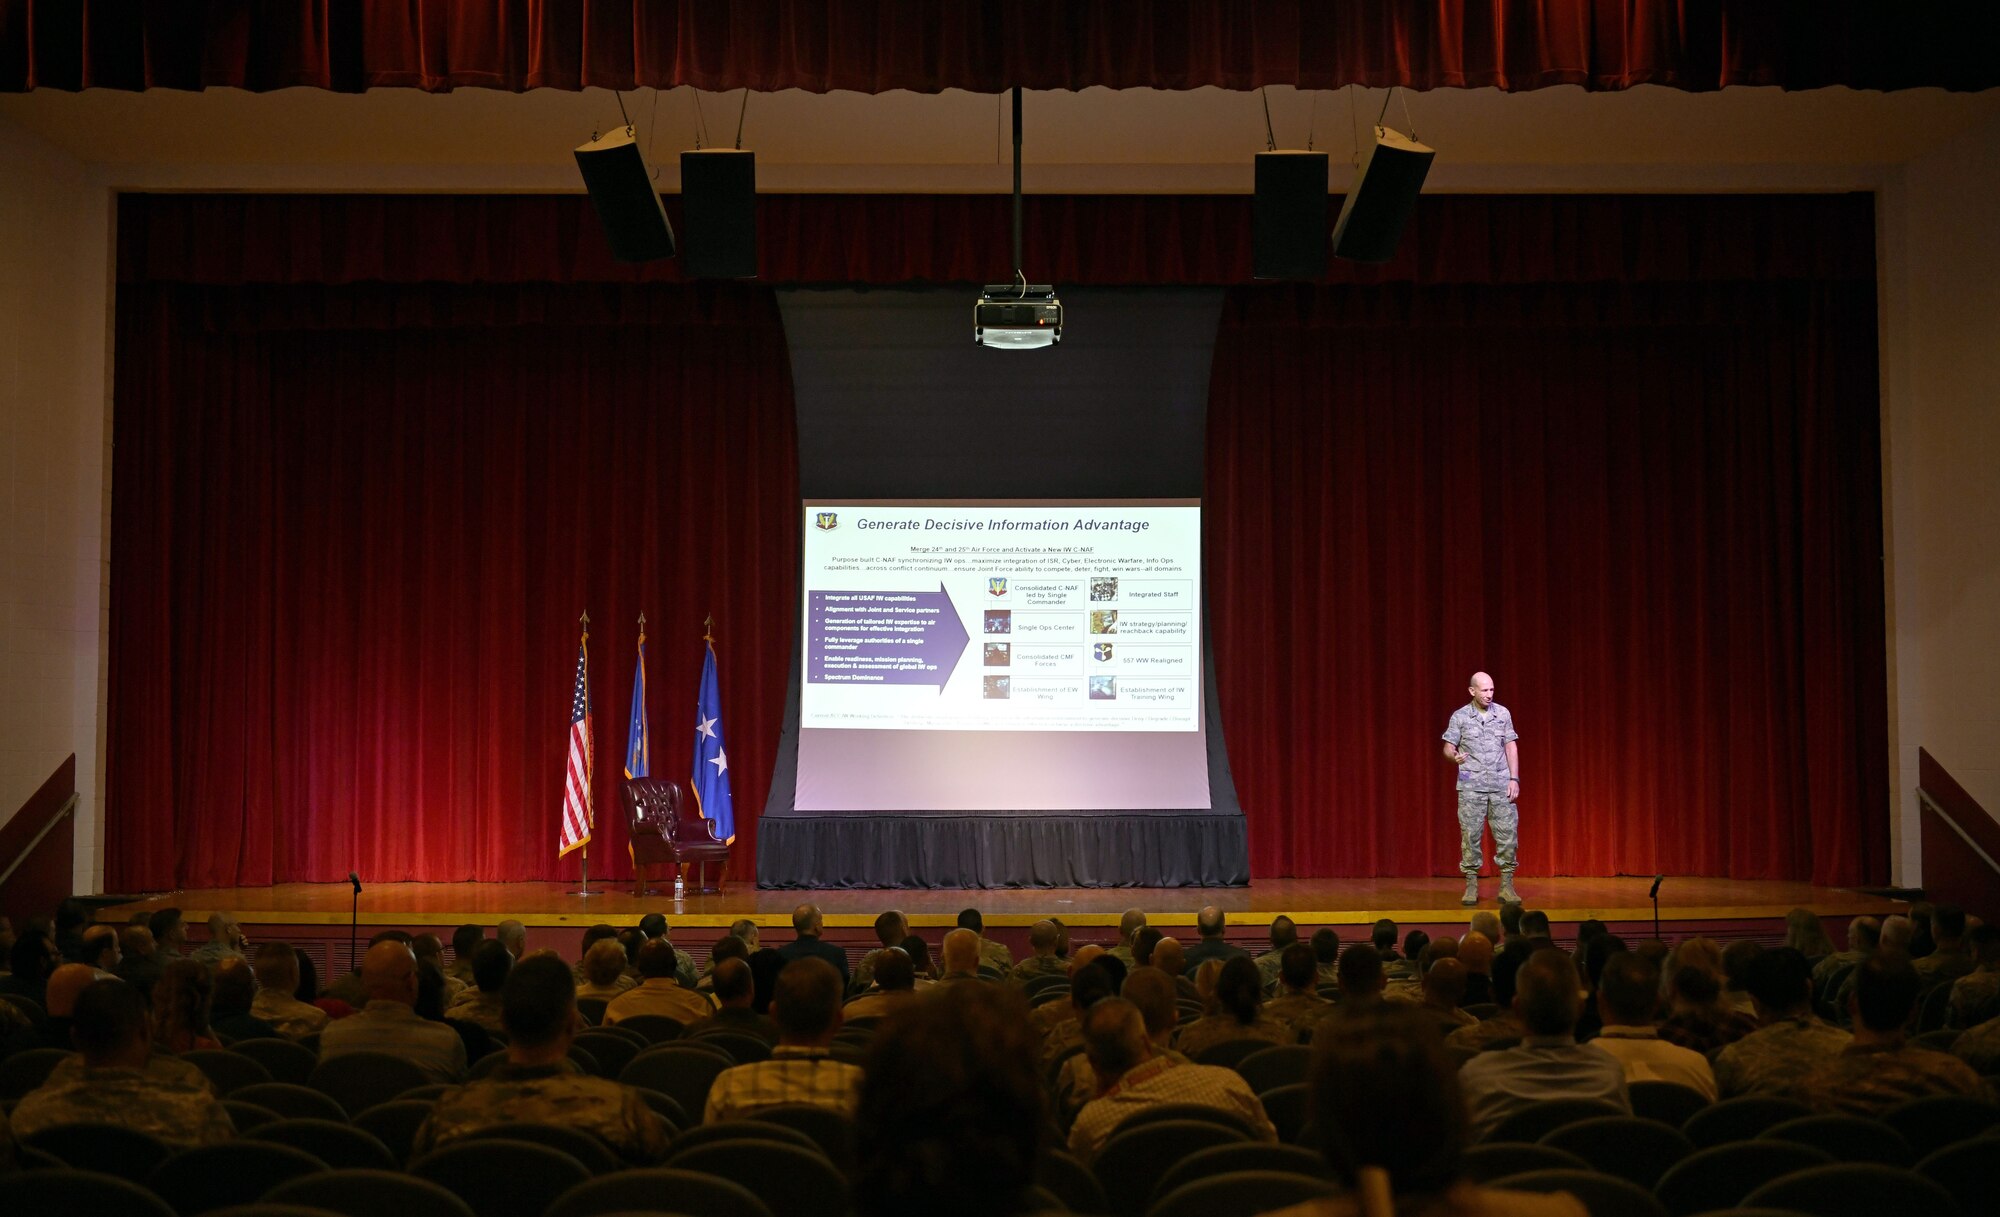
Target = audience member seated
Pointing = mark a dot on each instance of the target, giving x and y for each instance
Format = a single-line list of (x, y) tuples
[(29, 964), (658, 992), (180, 1008), (1061, 1023), (1697, 1019), (1390, 1119), (480, 1005), (1951, 959), (1170, 957), (951, 1108), (735, 989), (1043, 938), (1863, 934), (1363, 980), (139, 961), (1444, 996), (992, 954), (429, 950), (1211, 925), (1533, 927), (1736, 960), (895, 985), (100, 948), (1131, 1078), (653, 928), (512, 935), (1975, 997), (1129, 926), (1284, 933), (464, 941), (1548, 1063), (802, 1069), (604, 970), (1628, 996), (1510, 913), (225, 941), (229, 1005), (891, 928), (431, 983), (1790, 1040), (277, 972), (958, 957), (1805, 934), (112, 1085), (1591, 956), (1238, 1013), (64, 986), (389, 1022), (1326, 956), (537, 1085), (1475, 951), (1152, 991), (808, 924), (919, 952), (1895, 939), (348, 988), (1879, 1070), (729, 946), (1298, 1004), (169, 934)]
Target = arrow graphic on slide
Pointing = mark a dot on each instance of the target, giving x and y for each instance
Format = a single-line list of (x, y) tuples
[(885, 638)]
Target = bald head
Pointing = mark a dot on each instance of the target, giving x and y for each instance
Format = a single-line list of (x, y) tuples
[(1169, 956), (1896, 933), (960, 951), (1082, 959), (1481, 689), (1475, 952), (512, 935), (1042, 936), (221, 928), (65, 984), (1130, 924), (389, 973), (1114, 1039), (1444, 984)]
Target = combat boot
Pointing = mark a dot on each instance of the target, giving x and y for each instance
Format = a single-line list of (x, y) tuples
[(1471, 896), (1507, 893)]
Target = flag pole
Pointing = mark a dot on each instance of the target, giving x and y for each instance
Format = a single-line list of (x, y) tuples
[(583, 851)]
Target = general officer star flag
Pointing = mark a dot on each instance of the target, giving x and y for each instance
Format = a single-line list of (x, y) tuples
[(711, 763)]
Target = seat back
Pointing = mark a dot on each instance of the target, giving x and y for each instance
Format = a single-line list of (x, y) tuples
[(1229, 1052), (500, 1177), (24, 1071), (285, 1060), (792, 1181), (109, 1149), (1969, 1170), (370, 1193), (742, 1047), (1627, 1146), (340, 1146), (1286, 1107), (246, 1116), (683, 1072), (232, 1172), (1720, 1176), (1855, 1189), (645, 1191), (226, 1070), (77, 1193), (1668, 1102), (1847, 1138), (1139, 1152), (1538, 1120), (592, 1009), (1498, 1159), (596, 1156), (1599, 1193), (657, 1028), (395, 1124), (1275, 1066), (360, 1080), (1241, 1194), (1740, 1119), (1236, 1157), (1201, 1112), (293, 1102), (612, 1052), (1070, 1181), (1934, 1121)]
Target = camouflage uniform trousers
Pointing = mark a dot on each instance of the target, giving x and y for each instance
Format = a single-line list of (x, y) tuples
[(1476, 810)]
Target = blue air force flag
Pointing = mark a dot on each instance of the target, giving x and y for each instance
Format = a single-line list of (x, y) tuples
[(638, 756), (711, 763)]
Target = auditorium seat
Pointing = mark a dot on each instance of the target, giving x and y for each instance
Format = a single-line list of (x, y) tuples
[(1847, 1138), (244, 1116), (743, 1047), (1740, 1119), (78, 1193), (1140, 1151), (683, 1072), (657, 1028), (1969, 1170), (1229, 1052), (665, 1107), (1630, 1147), (1235, 1157), (25, 1071), (1241, 1194), (365, 1193), (1668, 1102), (429, 1092), (1275, 1066), (830, 1132), (1722, 1175), (1188, 1111), (1051, 995), (227, 1070), (232, 1172), (501, 1177), (395, 1124), (644, 1191), (1042, 984), (360, 1080), (263, 1208), (1937, 1120), (286, 1061), (791, 1181), (110, 1149), (340, 1145), (597, 1157), (613, 1052), (1538, 1120), (1604, 1195), (737, 1130), (592, 1009), (1856, 1189), (293, 1102), (1070, 1180), (1498, 1159), (1286, 1106)]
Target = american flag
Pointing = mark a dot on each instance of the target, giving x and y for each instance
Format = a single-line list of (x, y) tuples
[(576, 785)]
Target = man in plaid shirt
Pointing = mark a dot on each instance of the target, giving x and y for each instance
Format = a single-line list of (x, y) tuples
[(1132, 1078), (806, 1007)]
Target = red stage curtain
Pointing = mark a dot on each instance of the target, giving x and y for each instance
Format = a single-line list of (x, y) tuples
[(1651, 512), (351, 540), (872, 46), (889, 239)]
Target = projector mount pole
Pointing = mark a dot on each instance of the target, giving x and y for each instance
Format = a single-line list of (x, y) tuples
[(1019, 277)]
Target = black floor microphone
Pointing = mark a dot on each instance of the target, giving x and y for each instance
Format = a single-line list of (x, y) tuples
[(353, 922), (1655, 894)]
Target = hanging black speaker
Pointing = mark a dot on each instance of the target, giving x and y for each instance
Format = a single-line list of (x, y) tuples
[(1288, 217), (719, 213), (622, 191), (1384, 193)]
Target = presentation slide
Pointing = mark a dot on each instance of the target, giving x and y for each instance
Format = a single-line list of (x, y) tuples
[(1060, 641)]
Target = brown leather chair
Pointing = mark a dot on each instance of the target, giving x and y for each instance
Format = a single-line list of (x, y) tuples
[(663, 826)]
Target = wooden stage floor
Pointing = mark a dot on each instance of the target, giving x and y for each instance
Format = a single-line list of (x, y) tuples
[(1311, 902)]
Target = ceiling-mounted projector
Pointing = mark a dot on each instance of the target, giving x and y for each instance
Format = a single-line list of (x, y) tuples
[(1011, 317)]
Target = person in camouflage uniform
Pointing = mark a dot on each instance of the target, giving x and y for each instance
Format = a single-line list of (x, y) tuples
[(1790, 1041), (891, 928), (537, 1084), (1953, 957), (1479, 740), (1976, 997), (481, 1004), (113, 1084), (1044, 938), (991, 954), (1129, 926), (1284, 933), (1979, 1046), (1879, 1070), (1298, 1004)]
